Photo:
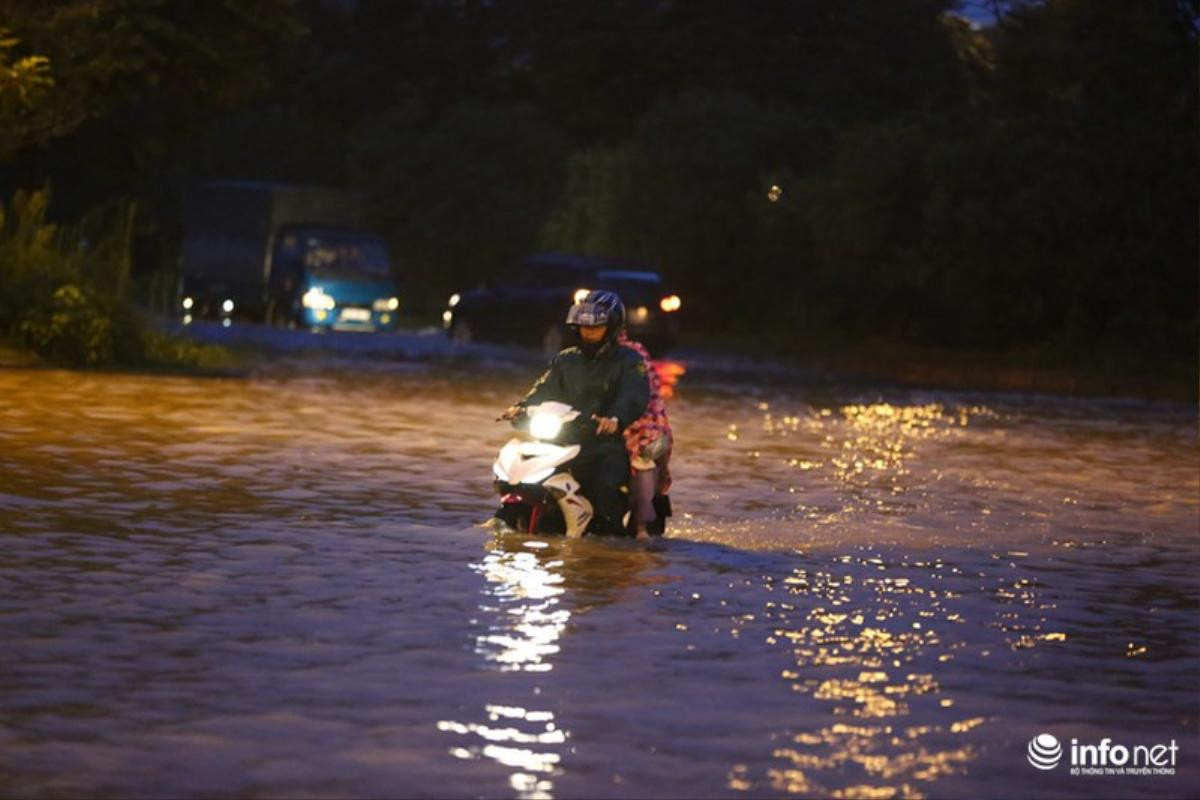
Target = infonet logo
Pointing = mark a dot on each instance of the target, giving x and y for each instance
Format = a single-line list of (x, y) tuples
[(1045, 752)]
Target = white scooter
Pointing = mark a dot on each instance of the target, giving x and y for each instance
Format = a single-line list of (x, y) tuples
[(538, 493)]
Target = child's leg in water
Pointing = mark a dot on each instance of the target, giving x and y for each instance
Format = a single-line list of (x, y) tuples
[(641, 499)]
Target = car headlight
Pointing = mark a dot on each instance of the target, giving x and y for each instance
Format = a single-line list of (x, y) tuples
[(317, 299), (454, 298), (545, 426), (386, 304), (670, 303)]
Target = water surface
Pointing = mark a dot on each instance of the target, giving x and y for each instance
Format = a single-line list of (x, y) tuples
[(277, 586)]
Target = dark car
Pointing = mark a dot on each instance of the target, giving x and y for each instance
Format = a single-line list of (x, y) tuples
[(529, 305)]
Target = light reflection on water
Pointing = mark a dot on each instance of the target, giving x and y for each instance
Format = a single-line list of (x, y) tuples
[(271, 586), (522, 595), (529, 591)]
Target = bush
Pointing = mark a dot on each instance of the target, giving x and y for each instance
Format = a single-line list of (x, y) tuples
[(64, 291), (70, 330)]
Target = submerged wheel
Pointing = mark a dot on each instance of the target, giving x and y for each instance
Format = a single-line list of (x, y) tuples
[(662, 510), (514, 516)]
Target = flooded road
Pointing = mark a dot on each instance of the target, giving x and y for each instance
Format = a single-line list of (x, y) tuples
[(277, 586)]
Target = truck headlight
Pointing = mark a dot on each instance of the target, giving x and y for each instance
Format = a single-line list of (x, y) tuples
[(316, 298)]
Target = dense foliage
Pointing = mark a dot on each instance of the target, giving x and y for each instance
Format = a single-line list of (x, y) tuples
[(65, 290), (825, 171), (95, 98)]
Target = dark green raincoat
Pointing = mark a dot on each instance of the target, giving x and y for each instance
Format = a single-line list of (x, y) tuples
[(612, 383)]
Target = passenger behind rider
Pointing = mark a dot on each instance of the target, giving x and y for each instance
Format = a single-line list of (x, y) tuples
[(607, 382), (648, 441)]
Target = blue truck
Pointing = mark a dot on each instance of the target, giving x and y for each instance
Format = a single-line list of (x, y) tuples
[(294, 256)]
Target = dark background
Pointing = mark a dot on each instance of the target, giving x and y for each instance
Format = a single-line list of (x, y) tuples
[(1002, 177)]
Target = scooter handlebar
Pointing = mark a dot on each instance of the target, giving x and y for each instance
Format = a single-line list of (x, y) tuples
[(512, 414)]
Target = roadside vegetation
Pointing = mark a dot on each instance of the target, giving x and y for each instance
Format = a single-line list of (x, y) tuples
[(64, 292), (875, 177)]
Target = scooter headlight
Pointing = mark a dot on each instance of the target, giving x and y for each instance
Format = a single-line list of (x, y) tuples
[(545, 426)]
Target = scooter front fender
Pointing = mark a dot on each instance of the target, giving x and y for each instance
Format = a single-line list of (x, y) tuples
[(576, 509)]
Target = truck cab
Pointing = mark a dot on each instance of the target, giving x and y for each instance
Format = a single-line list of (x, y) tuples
[(286, 255), (330, 278)]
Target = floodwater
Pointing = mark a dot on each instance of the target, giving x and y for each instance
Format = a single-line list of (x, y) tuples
[(277, 586)]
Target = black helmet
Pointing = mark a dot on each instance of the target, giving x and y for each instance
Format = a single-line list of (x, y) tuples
[(599, 307)]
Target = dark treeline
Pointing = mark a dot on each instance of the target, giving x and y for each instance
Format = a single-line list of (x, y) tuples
[(820, 170)]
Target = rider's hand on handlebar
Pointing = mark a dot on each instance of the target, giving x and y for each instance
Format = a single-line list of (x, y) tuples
[(605, 425)]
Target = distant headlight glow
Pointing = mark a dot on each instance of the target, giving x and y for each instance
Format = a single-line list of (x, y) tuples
[(188, 303), (227, 306), (386, 304), (454, 298), (670, 303)]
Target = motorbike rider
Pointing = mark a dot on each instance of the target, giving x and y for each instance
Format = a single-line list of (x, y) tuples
[(608, 383)]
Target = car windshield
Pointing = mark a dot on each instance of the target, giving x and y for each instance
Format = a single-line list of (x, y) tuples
[(337, 255), (634, 288)]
